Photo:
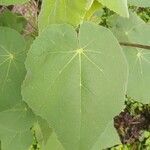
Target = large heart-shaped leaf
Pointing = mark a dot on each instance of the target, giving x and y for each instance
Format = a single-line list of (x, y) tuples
[(66, 11), (118, 6), (71, 82), (12, 69), (15, 117), (135, 31)]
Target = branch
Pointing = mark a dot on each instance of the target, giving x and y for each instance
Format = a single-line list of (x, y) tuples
[(135, 45)]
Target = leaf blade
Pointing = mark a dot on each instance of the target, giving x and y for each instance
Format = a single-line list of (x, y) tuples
[(74, 107)]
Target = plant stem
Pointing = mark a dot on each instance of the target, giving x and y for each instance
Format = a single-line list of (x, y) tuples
[(135, 45)]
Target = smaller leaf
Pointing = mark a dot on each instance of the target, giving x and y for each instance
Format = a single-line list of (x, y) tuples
[(134, 30), (13, 20), (120, 25), (12, 69)]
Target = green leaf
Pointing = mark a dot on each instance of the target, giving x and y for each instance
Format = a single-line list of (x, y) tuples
[(137, 32), (120, 26), (16, 118), (12, 2), (12, 69), (66, 11), (118, 6), (139, 3), (12, 20), (15, 124), (97, 16), (95, 6), (71, 82)]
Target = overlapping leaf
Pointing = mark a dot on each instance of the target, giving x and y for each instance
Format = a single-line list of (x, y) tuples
[(12, 69), (71, 82), (120, 25), (12, 20), (15, 117), (66, 11), (118, 6), (135, 31)]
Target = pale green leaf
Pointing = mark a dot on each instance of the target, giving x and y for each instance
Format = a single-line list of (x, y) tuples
[(12, 69), (12, 2), (135, 31), (140, 3), (71, 82), (95, 6), (120, 26), (66, 11), (118, 6)]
